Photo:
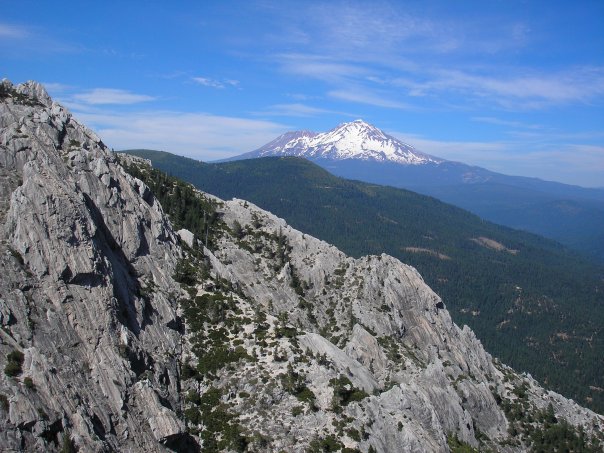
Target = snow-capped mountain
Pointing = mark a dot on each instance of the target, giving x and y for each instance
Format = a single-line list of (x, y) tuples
[(354, 140), (292, 143)]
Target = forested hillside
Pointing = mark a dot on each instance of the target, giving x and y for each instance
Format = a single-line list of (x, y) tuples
[(532, 303)]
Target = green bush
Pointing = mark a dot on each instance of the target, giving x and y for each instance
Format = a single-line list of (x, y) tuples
[(29, 383), (4, 404), (185, 273), (14, 363), (344, 393), (328, 444), (218, 357), (68, 445), (294, 383), (458, 446)]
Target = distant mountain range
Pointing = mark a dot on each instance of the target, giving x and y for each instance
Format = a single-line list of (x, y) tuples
[(532, 303), (572, 215)]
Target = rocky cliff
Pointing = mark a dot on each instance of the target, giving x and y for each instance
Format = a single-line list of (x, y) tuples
[(86, 297), (243, 334)]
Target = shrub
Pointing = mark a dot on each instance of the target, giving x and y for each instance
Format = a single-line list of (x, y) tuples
[(458, 446), (14, 363), (188, 371), (29, 383), (185, 273), (4, 404), (68, 444), (344, 392), (328, 444)]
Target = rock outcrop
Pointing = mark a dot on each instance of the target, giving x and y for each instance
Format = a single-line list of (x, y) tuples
[(375, 322), (119, 334), (86, 256)]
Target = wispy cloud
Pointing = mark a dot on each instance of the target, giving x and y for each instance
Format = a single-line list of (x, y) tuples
[(17, 40), (352, 29), (198, 135), (294, 110), (506, 123), (99, 96), (571, 163), (580, 84), (301, 96), (512, 91), (171, 75), (364, 96), (319, 67), (472, 152), (214, 83), (432, 59), (56, 89), (9, 31)]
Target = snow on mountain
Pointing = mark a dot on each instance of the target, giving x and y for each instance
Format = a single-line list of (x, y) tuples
[(353, 140), (290, 143)]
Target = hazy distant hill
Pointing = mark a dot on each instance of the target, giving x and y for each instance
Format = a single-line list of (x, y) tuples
[(569, 214), (532, 302)]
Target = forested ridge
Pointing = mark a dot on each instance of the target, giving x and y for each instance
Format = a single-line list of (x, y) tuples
[(534, 304)]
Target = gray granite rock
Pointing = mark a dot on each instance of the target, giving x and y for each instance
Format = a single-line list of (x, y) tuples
[(79, 244)]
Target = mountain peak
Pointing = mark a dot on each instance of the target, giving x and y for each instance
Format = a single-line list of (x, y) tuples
[(360, 129), (31, 89), (351, 140), (359, 122)]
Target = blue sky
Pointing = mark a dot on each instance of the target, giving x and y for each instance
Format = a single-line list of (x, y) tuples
[(513, 86)]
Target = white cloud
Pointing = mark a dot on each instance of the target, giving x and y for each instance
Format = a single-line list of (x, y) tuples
[(197, 135), (208, 82), (212, 83), (98, 96)]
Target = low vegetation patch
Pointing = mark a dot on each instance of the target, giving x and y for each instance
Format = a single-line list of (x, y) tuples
[(345, 393), (458, 446), (14, 363)]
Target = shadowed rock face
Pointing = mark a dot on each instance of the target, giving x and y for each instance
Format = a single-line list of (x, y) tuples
[(361, 350), (78, 246)]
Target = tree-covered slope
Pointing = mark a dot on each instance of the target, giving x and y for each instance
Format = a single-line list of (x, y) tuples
[(576, 223), (533, 303)]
